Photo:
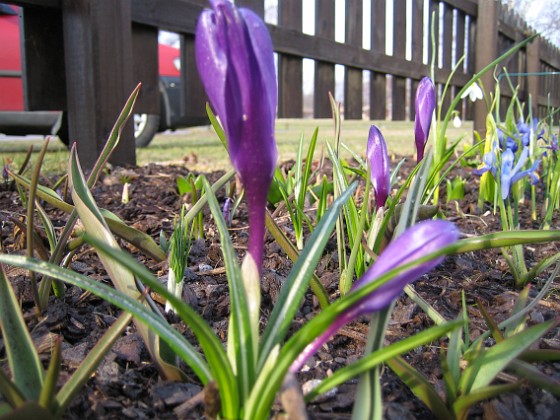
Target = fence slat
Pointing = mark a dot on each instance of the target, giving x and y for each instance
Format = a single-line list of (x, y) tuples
[(353, 79), (486, 51), (290, 68), (43, 65), (98, 59), (399, 50), (378, 81), (145, 44), (324, 72), (417, 47), (256, 6)]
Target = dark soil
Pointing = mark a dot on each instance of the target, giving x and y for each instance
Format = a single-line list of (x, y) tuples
[(126, 385)]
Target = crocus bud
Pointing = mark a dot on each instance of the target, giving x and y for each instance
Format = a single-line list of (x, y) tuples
[(378, 161), (424, 106), (416, 242), (236, 65)]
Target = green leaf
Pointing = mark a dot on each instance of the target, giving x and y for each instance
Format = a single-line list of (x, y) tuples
[(22, 357), (219, 368), (462, 404), (242, 340), (295, 286), (217, 126), (122, 278), (154, 321), (51, 378), (421, 387), (486, 366), (293, 254), (380, 356), (29, 410), (118, 227), (10, 392)]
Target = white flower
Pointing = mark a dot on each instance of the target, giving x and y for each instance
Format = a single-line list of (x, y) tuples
[(457, 121), (473, 92)]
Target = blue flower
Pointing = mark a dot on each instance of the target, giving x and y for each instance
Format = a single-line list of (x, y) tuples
[(488, 163), (525, 131), (511, 174), (507, 142)]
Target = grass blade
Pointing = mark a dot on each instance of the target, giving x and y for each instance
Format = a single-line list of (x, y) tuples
[(295, 286)]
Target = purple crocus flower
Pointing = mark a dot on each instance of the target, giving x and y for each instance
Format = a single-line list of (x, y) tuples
[(424, 106), (416, 242), (378, 161), (510, 174), (236, 64)]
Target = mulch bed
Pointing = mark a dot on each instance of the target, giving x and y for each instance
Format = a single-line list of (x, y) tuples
[(126, 385)]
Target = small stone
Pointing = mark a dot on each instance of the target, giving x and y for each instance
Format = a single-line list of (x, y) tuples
[(340, 360), (537, 317), (204, 267), (309, 386)]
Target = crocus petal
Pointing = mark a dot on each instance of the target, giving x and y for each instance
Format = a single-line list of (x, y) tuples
[(416, 242), (419, 240), (378, 161), (236, 65), (424, 106)]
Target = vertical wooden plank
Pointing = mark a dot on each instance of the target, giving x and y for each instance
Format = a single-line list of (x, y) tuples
[(378, 81), (459, 53), (98, 60), (399, 50), (290, 68), (44, 78), (417, 46), (145, 71), (193, 98), (353, 77), (324, 72), (471, 58), (533, 66), (447, 46), (256, 6), (486, 51)]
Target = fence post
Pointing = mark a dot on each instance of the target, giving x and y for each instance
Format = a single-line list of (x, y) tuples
[(43, 60), (399, 50), (486, 52), (144, 56), (256, 6), (533, 66), (98, 59), (353, 79), (417, 47), (378, 81), (290, 68), (324, 72)]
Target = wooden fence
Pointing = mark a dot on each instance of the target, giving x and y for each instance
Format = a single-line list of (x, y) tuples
[(85, 56)]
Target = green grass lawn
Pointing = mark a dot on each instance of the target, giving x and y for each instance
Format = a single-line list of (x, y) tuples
[(200, 149)]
